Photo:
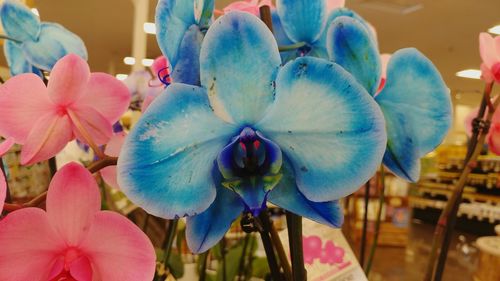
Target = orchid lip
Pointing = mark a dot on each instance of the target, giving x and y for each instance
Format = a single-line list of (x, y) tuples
[(250, 166)]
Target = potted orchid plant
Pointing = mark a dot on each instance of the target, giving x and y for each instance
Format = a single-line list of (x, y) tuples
[(263, 105)]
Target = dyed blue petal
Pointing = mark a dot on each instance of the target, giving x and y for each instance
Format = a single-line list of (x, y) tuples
[(352, 46), (187, 69), (327, 125), (16, 59), (417, 107), (302, 20), (287, 196), (203, 11), (239, 60), (18, 21), (54, 43), (166, 162), (173, 18), (203, 231)]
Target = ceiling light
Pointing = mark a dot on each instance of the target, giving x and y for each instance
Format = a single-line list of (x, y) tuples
[(149, 28), (129, 60), (470, 73), (121, 76), (148, 62), (35, 11), (495, 30)]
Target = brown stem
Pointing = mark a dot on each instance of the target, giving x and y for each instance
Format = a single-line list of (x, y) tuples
[(281, 252), (102, 163), (266, 17), (446, 222)]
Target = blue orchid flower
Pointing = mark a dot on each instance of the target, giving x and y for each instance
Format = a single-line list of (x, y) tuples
[(306, 22), (415, 100), (38, 45), (300, 136), (180, 28)]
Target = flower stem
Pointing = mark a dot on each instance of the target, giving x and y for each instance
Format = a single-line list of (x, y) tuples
[(203, 268), (169, 240), (241, 266), (266, 17), (281, 252), (85, 134), (294, 224), (381, 201), (291, 47), (365, 225), (52, 166), (102, 163), (447, 220), (5, 37), (268, 247)]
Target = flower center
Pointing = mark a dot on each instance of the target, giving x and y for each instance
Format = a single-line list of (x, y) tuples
[(495, 70), (250, 166), (62, 267)]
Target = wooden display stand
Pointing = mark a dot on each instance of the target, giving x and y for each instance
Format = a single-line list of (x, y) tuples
[(489, 259)]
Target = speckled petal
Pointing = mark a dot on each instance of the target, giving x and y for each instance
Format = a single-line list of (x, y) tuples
[(287, 196), (187, 69), (173, 18), (53, 43), (327, 125), (351, 45), (417, 107), (166, 162), (239, 60), (303, 20)]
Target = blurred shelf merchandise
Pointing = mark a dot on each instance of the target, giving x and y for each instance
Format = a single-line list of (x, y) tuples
[(479, 211)]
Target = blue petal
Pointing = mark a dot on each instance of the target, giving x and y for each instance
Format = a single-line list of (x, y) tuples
[(203, 11), (239, 60), (303, 20), (203, 231), (287, 196), (327, 125), (417, 107), (18, 21), (16, 60), (352, 46), (166, 162), (187, 69), (173, 18), (54, 43)]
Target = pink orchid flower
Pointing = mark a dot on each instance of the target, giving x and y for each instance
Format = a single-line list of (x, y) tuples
[(73, 239), (160, 68), (494, 138), (249, 6), (76, 103), (113, 148), (489, 49), (3, 190)]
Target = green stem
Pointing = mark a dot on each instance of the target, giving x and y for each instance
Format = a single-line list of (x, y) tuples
[(381, 201), (291, 47), (241, 267), (169, 240), (5, 37), (294, 224), (203, 268)]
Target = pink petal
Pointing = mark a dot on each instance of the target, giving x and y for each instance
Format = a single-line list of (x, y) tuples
[(68, 79), (151, 95), (29, 246), (334, 4), (486, 74), (72, 202), (159, 64), (385, 61), (244, 6), (81, 269), (497, 44), (24, 99), (3, 190), (6, 145), (49, 136), (97, 126), (487, 49), (113, 148), (107, 95), (494, 138), (126, 255)]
